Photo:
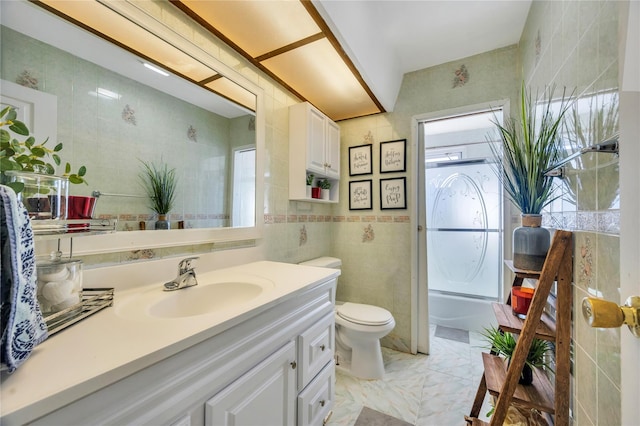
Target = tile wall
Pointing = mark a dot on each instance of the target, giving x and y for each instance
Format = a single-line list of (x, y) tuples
[(378, 270), (574, 44)]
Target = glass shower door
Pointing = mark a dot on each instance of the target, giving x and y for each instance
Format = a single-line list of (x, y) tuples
[(463, 228)]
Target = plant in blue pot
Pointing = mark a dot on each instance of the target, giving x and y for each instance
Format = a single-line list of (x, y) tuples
[(527, 147)]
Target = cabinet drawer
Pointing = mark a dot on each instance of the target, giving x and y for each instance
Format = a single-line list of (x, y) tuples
[(315, 349), (315, 402)]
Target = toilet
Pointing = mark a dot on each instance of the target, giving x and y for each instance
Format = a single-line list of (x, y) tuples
[(359, 329)]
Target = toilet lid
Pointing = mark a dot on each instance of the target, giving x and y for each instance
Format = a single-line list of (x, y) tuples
[(364, 314)]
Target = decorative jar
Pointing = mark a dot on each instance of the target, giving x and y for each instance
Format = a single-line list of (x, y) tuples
[(530, 243), (59, 284)]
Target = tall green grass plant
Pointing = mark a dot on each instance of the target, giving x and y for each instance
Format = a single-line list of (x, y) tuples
[(529, 146)]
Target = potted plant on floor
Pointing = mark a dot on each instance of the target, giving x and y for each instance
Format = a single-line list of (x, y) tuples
[(160, 183), (28, 168), (527, 148), (504, 344)]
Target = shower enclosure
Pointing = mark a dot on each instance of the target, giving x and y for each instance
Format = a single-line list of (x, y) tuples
[(464, 225)]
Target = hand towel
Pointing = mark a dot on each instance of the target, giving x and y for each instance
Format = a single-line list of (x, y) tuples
[(23, 327)]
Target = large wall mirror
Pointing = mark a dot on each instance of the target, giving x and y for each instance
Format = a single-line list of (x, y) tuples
[(203, 119)]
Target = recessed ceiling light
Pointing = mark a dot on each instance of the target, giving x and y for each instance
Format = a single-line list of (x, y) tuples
[(156, 69)]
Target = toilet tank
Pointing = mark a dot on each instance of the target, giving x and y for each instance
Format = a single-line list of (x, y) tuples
[(324, 262)]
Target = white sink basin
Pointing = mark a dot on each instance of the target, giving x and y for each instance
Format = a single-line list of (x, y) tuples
[(203, 299), (208, 297)]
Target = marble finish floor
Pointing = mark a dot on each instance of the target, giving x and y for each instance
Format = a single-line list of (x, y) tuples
[(424, 390)]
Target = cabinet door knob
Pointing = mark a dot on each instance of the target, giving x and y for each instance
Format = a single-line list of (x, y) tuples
[(294, 365), (322, 403), (322, 347)]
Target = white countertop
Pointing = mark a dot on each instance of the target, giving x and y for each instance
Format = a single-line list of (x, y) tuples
[(114, 344)]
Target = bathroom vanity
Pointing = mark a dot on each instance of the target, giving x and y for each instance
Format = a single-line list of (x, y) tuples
[(261, 355)]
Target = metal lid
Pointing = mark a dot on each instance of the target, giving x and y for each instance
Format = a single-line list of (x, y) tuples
[(54, 259), (364, 314)]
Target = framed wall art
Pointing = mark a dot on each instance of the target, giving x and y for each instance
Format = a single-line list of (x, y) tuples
[(393, 156), (360, 160), (393, 193), (360, 195)]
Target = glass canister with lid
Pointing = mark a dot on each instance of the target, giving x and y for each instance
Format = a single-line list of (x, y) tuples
[(59, 283)]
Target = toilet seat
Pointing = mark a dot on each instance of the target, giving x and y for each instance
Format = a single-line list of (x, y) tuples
[(358, 313)]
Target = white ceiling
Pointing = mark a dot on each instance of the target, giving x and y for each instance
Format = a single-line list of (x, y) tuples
[(388, 38)]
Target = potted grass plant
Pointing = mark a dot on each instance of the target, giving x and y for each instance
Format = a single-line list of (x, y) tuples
[(159, 182), (504, 344), (527, 147), (588, 125)]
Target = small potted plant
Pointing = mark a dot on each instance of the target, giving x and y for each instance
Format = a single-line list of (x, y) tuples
[(26, 166), (504, 344), (160, 183), (310, 177), (325, 187)]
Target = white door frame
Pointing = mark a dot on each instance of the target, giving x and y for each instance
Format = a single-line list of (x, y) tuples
[(419, 293), (630, 206)]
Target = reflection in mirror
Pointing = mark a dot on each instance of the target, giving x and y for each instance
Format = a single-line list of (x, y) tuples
[(113, 112)]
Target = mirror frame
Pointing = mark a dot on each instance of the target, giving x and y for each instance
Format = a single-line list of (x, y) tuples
[(128, 240)]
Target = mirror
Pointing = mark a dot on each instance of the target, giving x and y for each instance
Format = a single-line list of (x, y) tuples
[(113, 112)]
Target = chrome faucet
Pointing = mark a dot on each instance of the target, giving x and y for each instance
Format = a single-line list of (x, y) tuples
[(186, 276)]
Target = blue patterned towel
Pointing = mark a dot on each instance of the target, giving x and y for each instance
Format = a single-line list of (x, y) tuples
[(22, 325)]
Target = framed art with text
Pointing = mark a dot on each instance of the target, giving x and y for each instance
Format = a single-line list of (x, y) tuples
[(360, 195), (393, 193), (393, 156), (360, 160)]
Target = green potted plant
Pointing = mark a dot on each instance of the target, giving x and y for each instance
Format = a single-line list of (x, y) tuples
[(26, 166), (325, 187), (503, 344), (527, 148), (159, 182), (310, 177)]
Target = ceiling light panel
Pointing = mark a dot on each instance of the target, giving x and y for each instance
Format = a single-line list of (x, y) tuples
[(105, 21), (257, 27), (319, 74), (233, 92)]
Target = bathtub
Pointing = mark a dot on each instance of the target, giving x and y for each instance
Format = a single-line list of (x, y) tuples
[(464, 313)]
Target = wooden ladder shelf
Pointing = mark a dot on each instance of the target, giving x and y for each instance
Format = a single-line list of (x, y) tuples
[(544, 394)]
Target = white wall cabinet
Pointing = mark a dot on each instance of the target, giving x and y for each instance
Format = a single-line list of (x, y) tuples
[(275, 368), (314, 147)]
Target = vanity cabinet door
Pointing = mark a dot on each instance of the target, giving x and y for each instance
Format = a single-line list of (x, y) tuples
[(265, 395)]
